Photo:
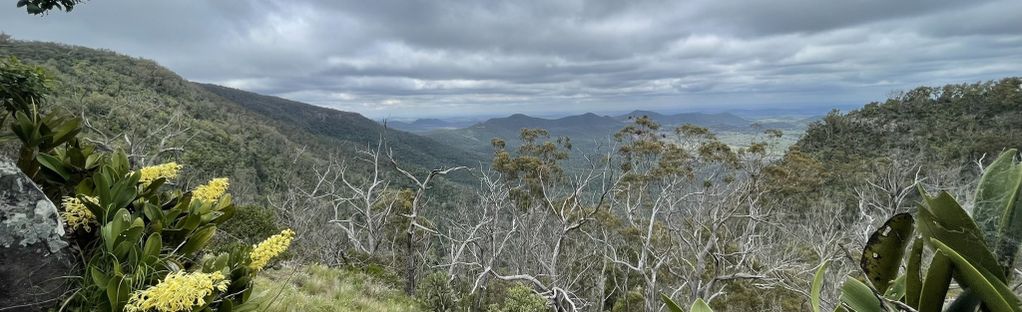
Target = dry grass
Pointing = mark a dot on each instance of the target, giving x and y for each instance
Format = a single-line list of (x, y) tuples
[(319, 288)]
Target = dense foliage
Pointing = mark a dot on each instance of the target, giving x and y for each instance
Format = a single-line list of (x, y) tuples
[(550, 223), (236, 135), (141, 243), (977, 252), (43, 6), (944, 128)]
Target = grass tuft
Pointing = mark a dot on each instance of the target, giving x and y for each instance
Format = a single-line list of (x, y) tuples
[(320, 288)]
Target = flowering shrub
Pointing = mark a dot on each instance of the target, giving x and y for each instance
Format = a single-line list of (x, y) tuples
[(211, 191), (76, 215), (272, 247), (178, 292), (165, 171), (143, 243)]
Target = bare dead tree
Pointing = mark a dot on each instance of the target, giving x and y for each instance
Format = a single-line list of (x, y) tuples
[(528, 241), (144, 146), (368, 206), (422, 185)]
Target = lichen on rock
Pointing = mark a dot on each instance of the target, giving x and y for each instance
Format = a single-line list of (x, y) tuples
[(34, 260)]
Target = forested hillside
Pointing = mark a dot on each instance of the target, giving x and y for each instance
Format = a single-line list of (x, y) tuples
[(588, 131), (256, 140), (952, 124), (942, 133), (344, 128)]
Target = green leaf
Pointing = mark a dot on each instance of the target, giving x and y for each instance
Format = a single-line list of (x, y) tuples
[(119, 162), (996, 296), (66, 131), (189, 222), (151, 251), (935, 285), (226, 306), (857, 297), (881, 258), (700, 306), (913, 277), (98, 277), (897, 289), (998, 211), (817, 287), (117, 292), (942, 218), (106, 233), (198, 240), (54, 165), (152, 212), (673, 307)]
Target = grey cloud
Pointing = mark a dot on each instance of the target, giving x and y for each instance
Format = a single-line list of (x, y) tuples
[(447, 57)]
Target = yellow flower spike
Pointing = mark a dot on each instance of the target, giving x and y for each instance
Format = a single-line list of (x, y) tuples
[(211, 191), (270, 248), (152, 173), (76, 215), (179, 291)]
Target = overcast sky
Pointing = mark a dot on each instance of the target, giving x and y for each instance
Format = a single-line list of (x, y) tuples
[(403, 59)]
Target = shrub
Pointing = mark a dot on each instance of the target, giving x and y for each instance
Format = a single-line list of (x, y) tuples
[(143, 244), (435, 293), (977, 252), (632, 301), (316, 287), (520, 298), (251, 224)]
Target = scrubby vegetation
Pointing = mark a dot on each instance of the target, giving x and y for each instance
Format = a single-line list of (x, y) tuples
[(141, 242), (665, 215), (319, 288)]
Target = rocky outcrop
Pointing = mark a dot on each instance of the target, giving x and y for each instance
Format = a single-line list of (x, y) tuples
[(35, 260)]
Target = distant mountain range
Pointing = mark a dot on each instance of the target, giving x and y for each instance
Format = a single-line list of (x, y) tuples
[(426, 124), (342, 127), (718, 121), (587, 130)]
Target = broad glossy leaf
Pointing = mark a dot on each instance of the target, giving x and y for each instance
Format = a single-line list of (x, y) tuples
[(98, 277), (998, 212), (55, 165), (943, 219), (700, 306), (198, 240), (935, 285), (117, 291), (882, 256), (896, 291), (151, 251), (671, 306), (997, 297), (814, 293), (857, 297), (913, 277)]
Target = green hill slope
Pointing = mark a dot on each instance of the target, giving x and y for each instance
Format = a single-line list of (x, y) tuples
[(338, 127), (139, 105), (947, 128), (587, 131)]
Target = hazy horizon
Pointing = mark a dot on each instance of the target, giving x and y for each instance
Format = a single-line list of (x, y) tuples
[(756, 112)]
